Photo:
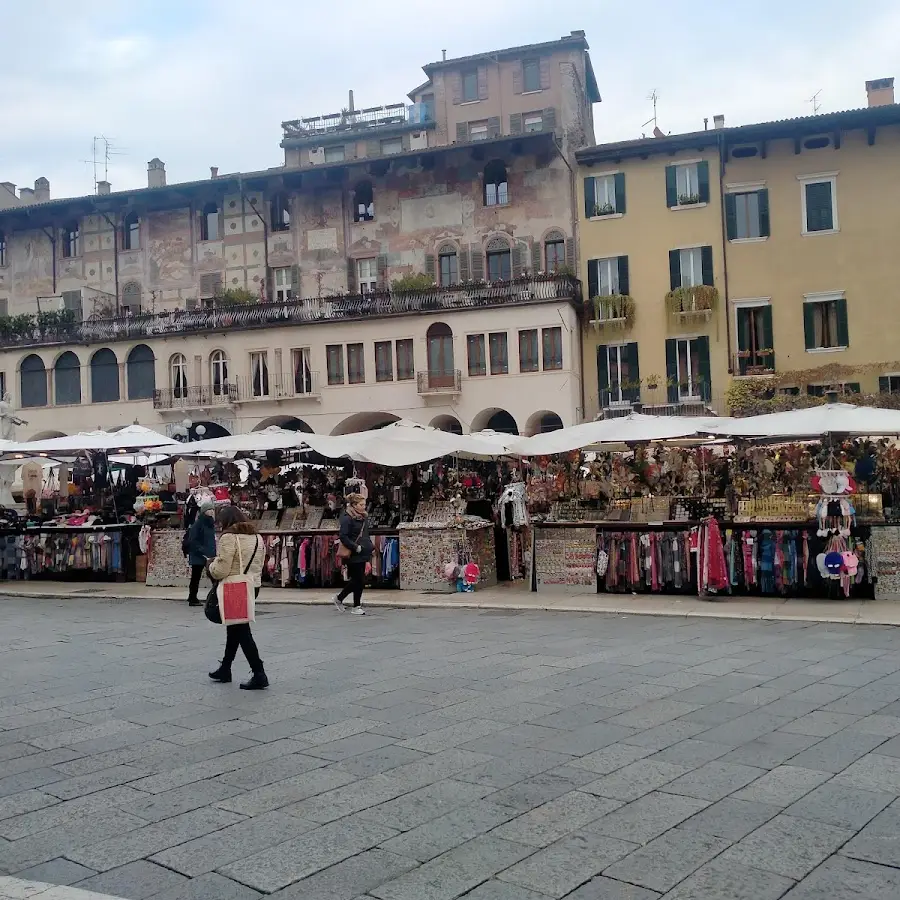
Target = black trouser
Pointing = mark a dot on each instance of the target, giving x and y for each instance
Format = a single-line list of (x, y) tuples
[(196, 575), (241, 636), (356, 581)]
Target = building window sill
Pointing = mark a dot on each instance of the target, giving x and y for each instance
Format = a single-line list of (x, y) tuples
[(817, 233), (616, 215), (688, 206), (754, 240), (825, 349), (531, 93), (469, 102)]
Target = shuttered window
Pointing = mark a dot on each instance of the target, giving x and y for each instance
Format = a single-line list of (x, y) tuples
[(384, 361), (476, 356), (618, 376), (334, 361), (528, 350), (470, 86), (406, 369), (531, 75), (553, 350), (499, 353), (825, 322), (747, 215), (819, 212), (356, 366)]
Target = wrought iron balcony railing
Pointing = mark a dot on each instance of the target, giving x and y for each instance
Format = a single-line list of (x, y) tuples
[(440, 382), (196, 397)]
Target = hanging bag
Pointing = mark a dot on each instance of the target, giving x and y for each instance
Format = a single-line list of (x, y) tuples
[(344, 552), (232, 601)]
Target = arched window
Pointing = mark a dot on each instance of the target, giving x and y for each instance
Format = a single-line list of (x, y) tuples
[(67, 379), (554, 251), (140, 369), (104, 376), (496, 185), (131, 232), (441, 368), (2, 249), (209, 223), (499, 260), (363, 202), (33, 377), (178, 375), (131, 299), (218, 370), (448, 266), (71, 243)]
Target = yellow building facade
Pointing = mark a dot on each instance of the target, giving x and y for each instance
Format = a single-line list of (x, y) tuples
[(764, 253)]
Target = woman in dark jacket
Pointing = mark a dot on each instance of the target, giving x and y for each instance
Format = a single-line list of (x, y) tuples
[(201, 546), (354, 535)]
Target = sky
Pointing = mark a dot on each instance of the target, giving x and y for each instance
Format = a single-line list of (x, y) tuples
[(203, 83)]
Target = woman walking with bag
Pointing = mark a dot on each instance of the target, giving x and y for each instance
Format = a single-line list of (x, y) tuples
[(355, 551), (240, 554), (200, 543)]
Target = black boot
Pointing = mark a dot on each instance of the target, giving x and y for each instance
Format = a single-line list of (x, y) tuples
[(258, 681), (222, 674)]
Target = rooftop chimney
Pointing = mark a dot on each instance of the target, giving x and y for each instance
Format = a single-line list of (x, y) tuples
[(8, 186), (103, 188), (156, 173), (213, 171), (880, 91), (26, 195), (351, 107), (41, 190), (719, 121)]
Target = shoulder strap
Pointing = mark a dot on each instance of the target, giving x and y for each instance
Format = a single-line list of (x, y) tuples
[(365, 529), (253, 556)]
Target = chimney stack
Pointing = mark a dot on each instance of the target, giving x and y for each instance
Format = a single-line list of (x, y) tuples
[(26, 195), (351, 107), (880, 92), (103, 188), (8, 186), (41, 190), (213, 171), (156, 173), (719, 121)]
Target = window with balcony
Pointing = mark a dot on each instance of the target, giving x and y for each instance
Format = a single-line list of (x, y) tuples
[(608, 276), (178, 376), (476, 356), (618, 374), (71, 240), (529, 360), (363, 202), (72, 301), (335, 154), (441, 366), (384, 361), (259, 373), (280, 213), (690, 267), (553, 349), (2, 249), (747, 215), (302, 365), (819, 196), (756, 353), (334, 362), (356, 364), (406, 367), (499, 352), (499, 260), (496, 184), (825, 322), (218, 372), (604, 195), (283, 283), (209, 222), (470, 86), (554, 254), (367, 275), (131, 299), (131, 232), (688, 369), (448, 263), (687, 184), (531, 75)]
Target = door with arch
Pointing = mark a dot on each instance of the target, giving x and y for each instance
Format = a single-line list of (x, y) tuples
[(441, 368)]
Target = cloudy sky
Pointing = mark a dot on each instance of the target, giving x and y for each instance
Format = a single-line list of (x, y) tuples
[(204, 83)]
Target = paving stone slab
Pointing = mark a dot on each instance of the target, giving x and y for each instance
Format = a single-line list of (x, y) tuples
[(732, 819), (424, 804), (635, 780), (879, 841), (284, 793), (836, 753), (647, 818), (136, 881), (873, 772), (602, 888), (851, 878), (782, 785), (555, 819), (209, 887), (56, 871), (714, 780), (717, 881), (838, 804), (615, 756)]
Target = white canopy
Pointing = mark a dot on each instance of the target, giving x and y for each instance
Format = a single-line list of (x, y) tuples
[(272, 438), (125, 440), (814, 422)]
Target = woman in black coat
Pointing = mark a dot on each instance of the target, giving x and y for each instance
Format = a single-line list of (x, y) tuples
[(201, 547), (354, 535)]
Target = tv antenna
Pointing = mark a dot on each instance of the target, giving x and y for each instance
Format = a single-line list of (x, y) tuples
[(102, 149), (815, 102), (653, 97)]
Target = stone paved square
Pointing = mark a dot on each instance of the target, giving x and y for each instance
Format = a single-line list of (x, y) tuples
[(438, 754)]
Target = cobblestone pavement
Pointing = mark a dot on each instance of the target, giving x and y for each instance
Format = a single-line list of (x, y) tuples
[(437, 754)]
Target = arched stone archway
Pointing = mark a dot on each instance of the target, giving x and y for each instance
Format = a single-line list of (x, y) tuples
[(495, 419), (365, 421), (447, 423), (543, 421), (289, 423)]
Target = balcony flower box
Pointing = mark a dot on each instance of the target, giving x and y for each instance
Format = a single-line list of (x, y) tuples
[(613, 311), (697, 302)]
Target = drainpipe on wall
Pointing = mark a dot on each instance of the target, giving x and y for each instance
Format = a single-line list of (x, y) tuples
[(720, 142), (115, 229), (265, 225)]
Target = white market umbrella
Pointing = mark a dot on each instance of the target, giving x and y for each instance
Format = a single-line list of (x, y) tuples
[(272, 438), (131, 438), (813, 422)]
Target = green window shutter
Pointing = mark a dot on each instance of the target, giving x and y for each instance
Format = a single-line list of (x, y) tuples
[(549, 119), (619, 179), (382, 263), (593, 279), (730, 217), (536, 256), (477, 255), (463, 261), (493, 126), (764, 227), (768, 335), (843, 329), (671, 187), (603, 375), (674, 269), (884, 384), (516, 260), (570, 253), (431, 266), (624, 287), (702, 344), (632, 393), (590, 196), (515, 123), (703, 181), (672, 370), (809, 326), (818, 206), (743, 338), (706, 265), (462, 132)]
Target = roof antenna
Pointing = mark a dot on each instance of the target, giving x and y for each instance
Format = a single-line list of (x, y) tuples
[(815, 102), (653, 96)]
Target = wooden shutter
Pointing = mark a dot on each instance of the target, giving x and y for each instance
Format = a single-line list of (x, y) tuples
[(431, 266), (671, 187), (351, 276), (570, 253), (706, 265), (603, 375), (549, 119), (373, 148), (477, 255), (590, 196), (382, 263), (593, 279), (210, 285), (884, 384), (516, 260), (456, 87), (703, 365), (703, 181), (632, 393), (818, 206), (462, 132), (515, 123), (619, 179), (674, 269), (482, 83), (518, 77), (768, 335), (730, 217), (493, 127), (536, 256), (809, 326), (463, 261), (545, 72), (672, 370), (623, 275), (843, 327), (295, 282), (764, 227)]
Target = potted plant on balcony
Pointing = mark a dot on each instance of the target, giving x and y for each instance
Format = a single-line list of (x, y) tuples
[(652, 381), (688, 199), (602, 209), (699, 299), (613, 310), (22, 326)]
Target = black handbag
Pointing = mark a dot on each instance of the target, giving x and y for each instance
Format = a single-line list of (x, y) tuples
[(211, 607)]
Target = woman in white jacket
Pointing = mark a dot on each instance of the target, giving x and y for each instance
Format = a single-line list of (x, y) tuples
[(240, 548)]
